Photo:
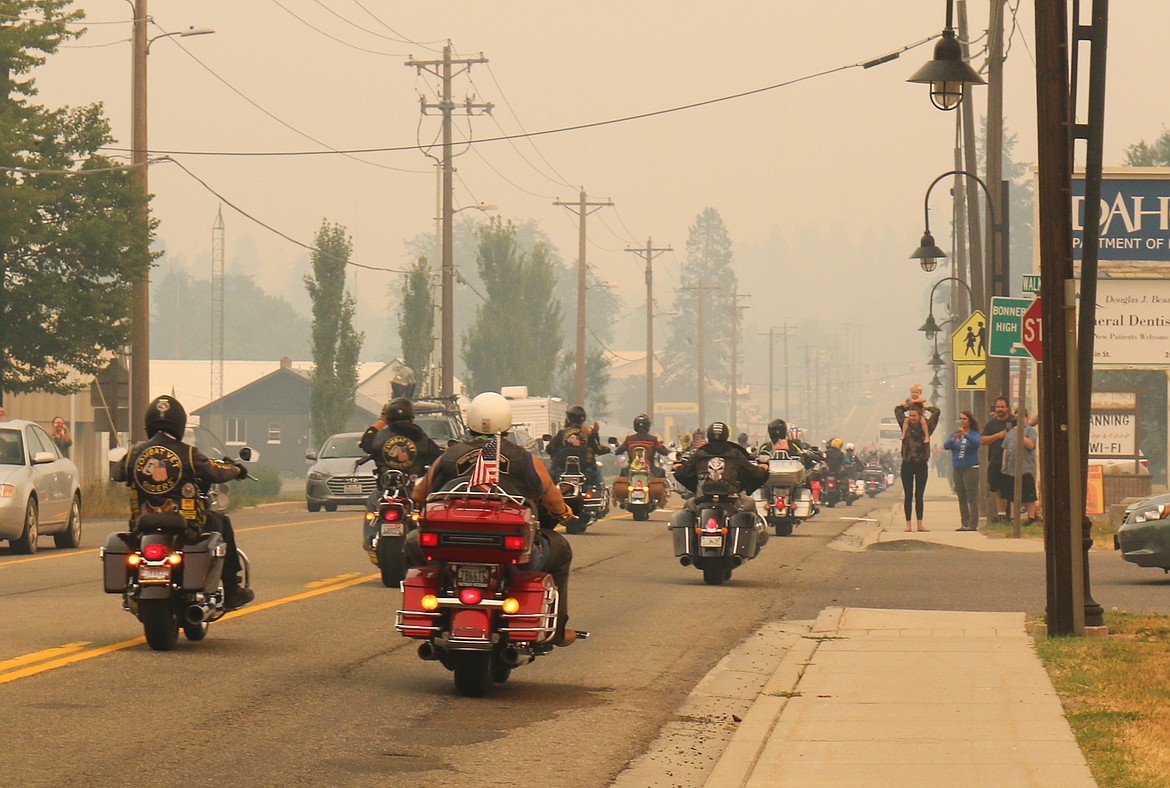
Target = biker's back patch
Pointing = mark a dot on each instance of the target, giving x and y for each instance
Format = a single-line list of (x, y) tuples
[(157, 470), (399, 452), (574, 438)]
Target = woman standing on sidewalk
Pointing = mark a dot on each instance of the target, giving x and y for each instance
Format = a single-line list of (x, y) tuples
[(916, 432), (963, 445)]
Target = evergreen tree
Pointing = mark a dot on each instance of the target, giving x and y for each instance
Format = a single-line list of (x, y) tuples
[(335, 342), (708, 263), (70, 246), (416, 320), (516, 334), (1142, 154)]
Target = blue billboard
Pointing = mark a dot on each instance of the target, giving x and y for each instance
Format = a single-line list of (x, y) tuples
[(1135, 219)]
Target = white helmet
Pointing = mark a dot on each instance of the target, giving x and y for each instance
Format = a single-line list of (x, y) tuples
[(849, 447), (489, 413)]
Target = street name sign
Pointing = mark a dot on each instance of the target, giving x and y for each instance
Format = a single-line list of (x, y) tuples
[(1007, 322), (1031, 283)]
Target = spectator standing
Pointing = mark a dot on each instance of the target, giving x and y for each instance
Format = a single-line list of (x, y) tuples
[(1011, 443), (963, 444), (3, 414), (992, 437), (916, 429), (61, 436)]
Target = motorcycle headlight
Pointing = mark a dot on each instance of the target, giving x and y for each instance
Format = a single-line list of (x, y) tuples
[(318, 476)]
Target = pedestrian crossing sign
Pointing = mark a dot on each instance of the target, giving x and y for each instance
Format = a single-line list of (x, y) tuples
[(969, 342)]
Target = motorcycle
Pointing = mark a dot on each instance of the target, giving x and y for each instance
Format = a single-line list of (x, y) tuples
[(476, 607), (785, 478), (832, 490), (715, 537), (875, 480), (387, 525), (168, 579), (640, 492), (575, 491), (596, 498)]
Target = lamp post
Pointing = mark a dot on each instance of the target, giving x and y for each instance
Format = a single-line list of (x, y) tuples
[(140, 310), (947, 73)]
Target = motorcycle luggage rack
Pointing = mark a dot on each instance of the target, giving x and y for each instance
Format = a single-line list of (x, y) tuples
[(464, 490)]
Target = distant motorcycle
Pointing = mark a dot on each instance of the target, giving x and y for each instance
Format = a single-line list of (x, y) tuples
[(778, 495), (574, 487), (388, 523), (640, 492), (715, 537)]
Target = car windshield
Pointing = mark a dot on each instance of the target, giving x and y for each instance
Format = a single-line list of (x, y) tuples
[(11, 447), (342, 446), (437, 426)]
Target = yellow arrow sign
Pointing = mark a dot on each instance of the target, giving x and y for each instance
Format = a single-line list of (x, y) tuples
[(969, 342), (971, 376)]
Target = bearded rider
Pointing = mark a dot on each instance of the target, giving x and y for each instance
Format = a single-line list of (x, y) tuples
[(720, 460), (577, 439), (649, 445), (164, 473), (489, 415)]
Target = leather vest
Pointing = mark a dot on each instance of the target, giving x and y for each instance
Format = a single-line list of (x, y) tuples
[(401, 449), (517, 476), (161, 476)]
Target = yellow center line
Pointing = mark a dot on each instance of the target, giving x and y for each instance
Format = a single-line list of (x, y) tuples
[(138, 641), (37, 656), (331, 581)]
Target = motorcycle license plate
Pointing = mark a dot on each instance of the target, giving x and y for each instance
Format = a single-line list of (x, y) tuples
[(352, 489), (710, 541), (154, 574), (638, 497), (393, 529), (473, 575)]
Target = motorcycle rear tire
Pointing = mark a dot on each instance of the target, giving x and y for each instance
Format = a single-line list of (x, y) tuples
[(715, 573), (872, 494), (160, 623), (391, 561), (640, 511), (782, 526), (473, 675), (849, 501)]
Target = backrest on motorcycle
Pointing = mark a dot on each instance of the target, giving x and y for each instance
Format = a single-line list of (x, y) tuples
[(715, 489), (162, 522)]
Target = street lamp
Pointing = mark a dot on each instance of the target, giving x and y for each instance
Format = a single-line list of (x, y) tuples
[(930, 327), (140, 310), (928, 253), (947, 73)]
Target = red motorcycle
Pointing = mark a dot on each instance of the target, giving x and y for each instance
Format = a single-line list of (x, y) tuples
[(476, 606)]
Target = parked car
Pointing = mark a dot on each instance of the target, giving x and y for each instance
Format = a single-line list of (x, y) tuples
[(40, 491), (1144, 535)]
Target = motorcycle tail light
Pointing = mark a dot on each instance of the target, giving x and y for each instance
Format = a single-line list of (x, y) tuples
[(511, 605), (712, 524), (470, 596), (832, 484), (428, 539), (513, 542), (638, 484), (779, 501), (392, 515), (154, 552), (429, 602)]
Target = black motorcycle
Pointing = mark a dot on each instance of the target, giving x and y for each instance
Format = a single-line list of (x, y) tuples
[(168, 576), (387, 523), (574, 487), (714, 536)]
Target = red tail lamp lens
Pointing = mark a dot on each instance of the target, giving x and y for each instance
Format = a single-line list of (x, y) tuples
[(154, 552), (392, 515), (428, 539), (638, 484), (780, 501), (513, 542), (712, 524), (470, 596)]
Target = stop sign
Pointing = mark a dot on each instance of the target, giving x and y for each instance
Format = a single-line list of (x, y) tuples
[(1030, 331)]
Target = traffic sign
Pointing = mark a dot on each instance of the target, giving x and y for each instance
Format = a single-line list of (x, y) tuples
[(1007, 319), (971, 377), (1030, 332), (969, 342)]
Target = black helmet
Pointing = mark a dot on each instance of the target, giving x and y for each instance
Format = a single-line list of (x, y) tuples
[(718, 431), (777, 429), (642, 423), (575, 414), (398, 409), (165, 413)]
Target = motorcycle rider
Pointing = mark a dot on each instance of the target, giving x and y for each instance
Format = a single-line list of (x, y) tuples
[(650, 444), (163, 473), (577, 439), (852, 464), (721, 460), (489, 415), (397, 443), (834, 457)]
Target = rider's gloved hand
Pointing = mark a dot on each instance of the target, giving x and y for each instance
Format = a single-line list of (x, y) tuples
[(564, 516), (243, 470)]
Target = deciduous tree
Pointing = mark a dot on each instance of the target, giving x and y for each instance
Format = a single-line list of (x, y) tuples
[(416, 320)]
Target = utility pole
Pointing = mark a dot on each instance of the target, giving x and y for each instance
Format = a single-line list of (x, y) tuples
[(583, 208), (702, 373), (997, 369), (648, 254), (771, 333), (217, 312), (140, 313), (443, 70), (735, 307)]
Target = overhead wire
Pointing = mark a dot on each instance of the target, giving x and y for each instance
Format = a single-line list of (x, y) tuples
[(402, 39), (330, 36), (561, 179), (93, 46)]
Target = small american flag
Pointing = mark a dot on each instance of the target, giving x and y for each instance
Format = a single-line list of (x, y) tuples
[(487, 465)]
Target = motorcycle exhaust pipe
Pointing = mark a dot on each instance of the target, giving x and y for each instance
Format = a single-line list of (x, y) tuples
[(197, 614), (737, 560), (685, 560), (427, 651), (510, 656)]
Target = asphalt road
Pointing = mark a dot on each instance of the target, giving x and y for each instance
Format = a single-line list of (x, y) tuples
[(311, 685)]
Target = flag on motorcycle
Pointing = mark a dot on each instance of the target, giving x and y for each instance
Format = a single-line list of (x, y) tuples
[(487, 466)]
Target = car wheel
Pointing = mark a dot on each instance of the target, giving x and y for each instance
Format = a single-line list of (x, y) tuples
[(314, 507), (71, 536), (331, 507), (27, 543)]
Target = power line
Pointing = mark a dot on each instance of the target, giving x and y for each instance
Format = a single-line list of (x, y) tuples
[(402, 39), (330, 36)]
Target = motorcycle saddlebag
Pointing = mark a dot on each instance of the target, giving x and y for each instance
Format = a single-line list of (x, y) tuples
[(621, 487), (743, 529), (682, 530), (203, 562), (535, 621), (114, 570), (804, 499), (416, 622)]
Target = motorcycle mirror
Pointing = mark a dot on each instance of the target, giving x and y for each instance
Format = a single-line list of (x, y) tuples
[(612, 441), (117, 454), (546, 437), (248, 454)]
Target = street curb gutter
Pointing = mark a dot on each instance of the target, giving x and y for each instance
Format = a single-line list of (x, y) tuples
[(735, 766), (859, 536)]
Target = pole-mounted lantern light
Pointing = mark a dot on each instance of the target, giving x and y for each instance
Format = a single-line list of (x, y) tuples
[(947, 73)]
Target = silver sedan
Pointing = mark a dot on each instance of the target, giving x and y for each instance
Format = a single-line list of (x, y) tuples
[(39, 489)]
